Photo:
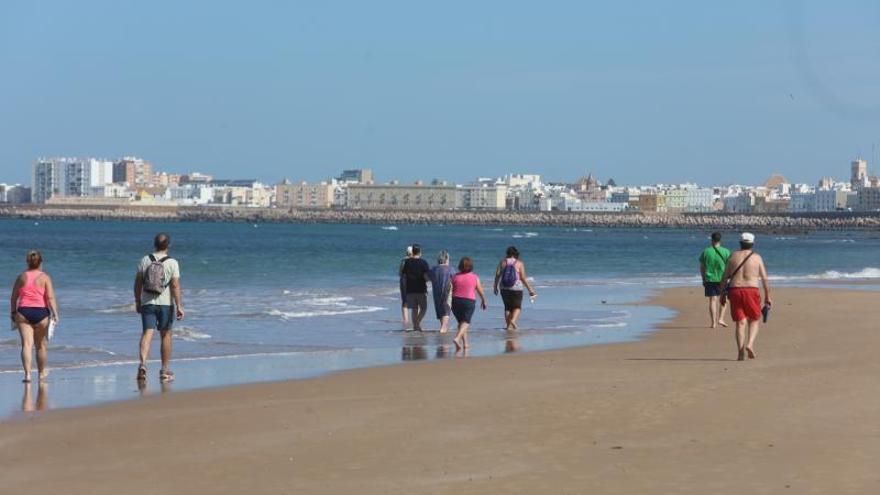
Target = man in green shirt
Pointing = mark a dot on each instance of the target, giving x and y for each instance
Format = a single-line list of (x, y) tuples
[(713, 262)]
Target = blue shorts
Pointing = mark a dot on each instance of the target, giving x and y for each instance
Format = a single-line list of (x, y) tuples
[(157, 317), (463, 309), (712, 289)]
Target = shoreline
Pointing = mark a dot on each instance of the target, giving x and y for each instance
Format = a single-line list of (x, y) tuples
[(672, 412), (781, 223)]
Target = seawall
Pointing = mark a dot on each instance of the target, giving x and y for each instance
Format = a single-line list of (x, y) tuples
[(781, 223)]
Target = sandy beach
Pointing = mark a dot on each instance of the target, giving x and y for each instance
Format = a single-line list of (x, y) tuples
[(673, 413)]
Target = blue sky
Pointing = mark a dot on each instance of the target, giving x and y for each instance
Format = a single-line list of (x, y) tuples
[(638, 91)]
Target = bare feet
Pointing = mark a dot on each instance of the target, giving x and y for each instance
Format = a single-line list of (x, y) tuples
[(741, 356), (27, 378), (722, 323), (751, 353), (443, 330), (457, 342), (44, 375)]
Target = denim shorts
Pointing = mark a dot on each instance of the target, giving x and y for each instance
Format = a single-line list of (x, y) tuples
[(157, 317), (463, 309)]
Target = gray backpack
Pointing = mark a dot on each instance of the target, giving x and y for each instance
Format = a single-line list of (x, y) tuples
[(154, 276)]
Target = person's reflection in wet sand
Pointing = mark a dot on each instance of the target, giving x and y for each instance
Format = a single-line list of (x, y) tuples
[(462, 353), (27, 400), (511, 343), (413, 353), (165, 387), (442, 351)]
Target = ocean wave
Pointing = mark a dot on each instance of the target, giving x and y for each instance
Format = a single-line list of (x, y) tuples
[(350, 310), (864, 273), (10, 343), (327, 301), (390, 227), (189, 334), (73, 349), (619, 324), (131, 362), (121, 308)]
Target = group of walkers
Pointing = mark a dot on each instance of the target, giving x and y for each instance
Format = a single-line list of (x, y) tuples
[(735, 278), (455, 291), (157, 298), (732, 278)]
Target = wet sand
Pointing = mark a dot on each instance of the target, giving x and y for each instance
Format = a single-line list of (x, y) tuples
[(674, 413)]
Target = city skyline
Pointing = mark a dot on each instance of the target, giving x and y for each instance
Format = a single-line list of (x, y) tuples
[(656, 93)]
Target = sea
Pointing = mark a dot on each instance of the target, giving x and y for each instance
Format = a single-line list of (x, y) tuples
[(267, 302)]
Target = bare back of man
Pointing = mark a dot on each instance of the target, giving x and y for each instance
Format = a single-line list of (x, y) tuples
[(752, 272)]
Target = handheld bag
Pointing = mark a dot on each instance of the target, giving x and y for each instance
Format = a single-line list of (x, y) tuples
[(154, 276)]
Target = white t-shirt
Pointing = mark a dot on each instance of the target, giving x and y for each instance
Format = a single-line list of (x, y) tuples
[(172, 271)]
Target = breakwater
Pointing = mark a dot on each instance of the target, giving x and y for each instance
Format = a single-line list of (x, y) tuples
[(722, 221)]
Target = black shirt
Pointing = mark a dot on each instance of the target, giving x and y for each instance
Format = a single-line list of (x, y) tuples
[(414, 270)]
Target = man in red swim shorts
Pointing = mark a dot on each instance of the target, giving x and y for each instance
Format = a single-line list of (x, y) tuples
[(745, 270)]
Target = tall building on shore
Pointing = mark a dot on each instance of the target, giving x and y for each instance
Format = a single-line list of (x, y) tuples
[(48, 178), (859, 174), (66, 177), (133, 171)]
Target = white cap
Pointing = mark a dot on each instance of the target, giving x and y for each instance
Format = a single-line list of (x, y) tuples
[(409, 250), (747, 237)]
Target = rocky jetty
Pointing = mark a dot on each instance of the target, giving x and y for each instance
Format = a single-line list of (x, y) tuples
[(760, 223)]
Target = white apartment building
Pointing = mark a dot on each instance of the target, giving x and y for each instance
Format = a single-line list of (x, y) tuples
[(192, 194), (69, 177), (14, 194)]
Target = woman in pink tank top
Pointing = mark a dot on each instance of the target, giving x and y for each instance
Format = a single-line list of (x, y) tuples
[(465, 286), (33, 306)]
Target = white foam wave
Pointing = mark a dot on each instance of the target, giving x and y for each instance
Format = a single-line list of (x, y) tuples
[(122, 308), (618, 324), (349, 310), (189, 334), (390, 227), (865, 273), (327, 301), (129, 362)]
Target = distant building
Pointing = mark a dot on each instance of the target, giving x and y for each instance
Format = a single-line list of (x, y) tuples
[(858, 174), (133, 171), (195, 178), (653, 202), (357, 176), (81, 176), (14, 194), (400, 197), (481, 197), (868, 199), (304, 195), (69, 177), (48, 178)]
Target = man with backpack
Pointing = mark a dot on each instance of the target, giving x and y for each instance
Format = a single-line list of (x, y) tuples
[(713, 261), (158, 299)]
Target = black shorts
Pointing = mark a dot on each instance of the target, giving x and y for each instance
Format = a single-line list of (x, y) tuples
[(463, 309), (512, 299), (712, 289)]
